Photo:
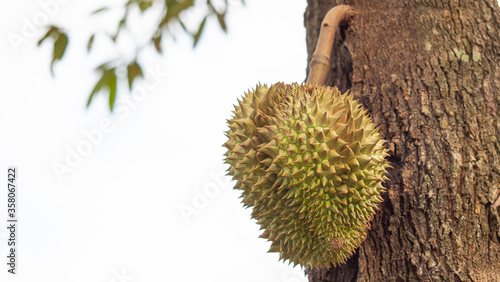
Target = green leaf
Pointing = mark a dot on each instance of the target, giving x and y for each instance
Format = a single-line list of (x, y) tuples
[(103, 67), (220, 16), (90, 43), (211, 6), (122, 22), (98, 86), (157, 43), (174, 8), (106, 81), (144, 5), (52, 29), (121, 25), (197, 35), (99, 10), (222, 22), (183, 26), (59, 48), (112, 90), (133, 71)]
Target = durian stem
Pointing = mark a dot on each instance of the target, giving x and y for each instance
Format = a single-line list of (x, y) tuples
[(320, 61)]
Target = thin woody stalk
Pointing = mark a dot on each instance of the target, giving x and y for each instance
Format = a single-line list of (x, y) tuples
[(320, 61)]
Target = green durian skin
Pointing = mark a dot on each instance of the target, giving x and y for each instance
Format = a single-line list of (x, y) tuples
[(311, 163)]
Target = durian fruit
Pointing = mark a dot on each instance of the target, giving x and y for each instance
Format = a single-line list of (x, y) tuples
[(311, 163)]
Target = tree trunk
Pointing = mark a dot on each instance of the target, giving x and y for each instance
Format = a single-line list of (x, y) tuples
[(428, 71)]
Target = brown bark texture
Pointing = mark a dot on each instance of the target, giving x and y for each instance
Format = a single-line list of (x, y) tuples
[(428, 71)]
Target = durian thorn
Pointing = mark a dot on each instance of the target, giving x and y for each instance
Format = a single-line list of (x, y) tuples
[(320, 61)]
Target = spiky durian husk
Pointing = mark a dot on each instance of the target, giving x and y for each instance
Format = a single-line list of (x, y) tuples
[(311, 163)]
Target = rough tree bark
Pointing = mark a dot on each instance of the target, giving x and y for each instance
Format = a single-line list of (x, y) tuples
[(429, 73)]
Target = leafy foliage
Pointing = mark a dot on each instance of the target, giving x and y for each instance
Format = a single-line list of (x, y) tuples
[(60, 44), (133, 71), (168, 24)]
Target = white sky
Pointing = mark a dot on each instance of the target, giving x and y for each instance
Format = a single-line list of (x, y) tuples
[(116, 216)]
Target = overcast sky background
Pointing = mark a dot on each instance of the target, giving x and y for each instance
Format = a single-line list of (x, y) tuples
[(117, 215)]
